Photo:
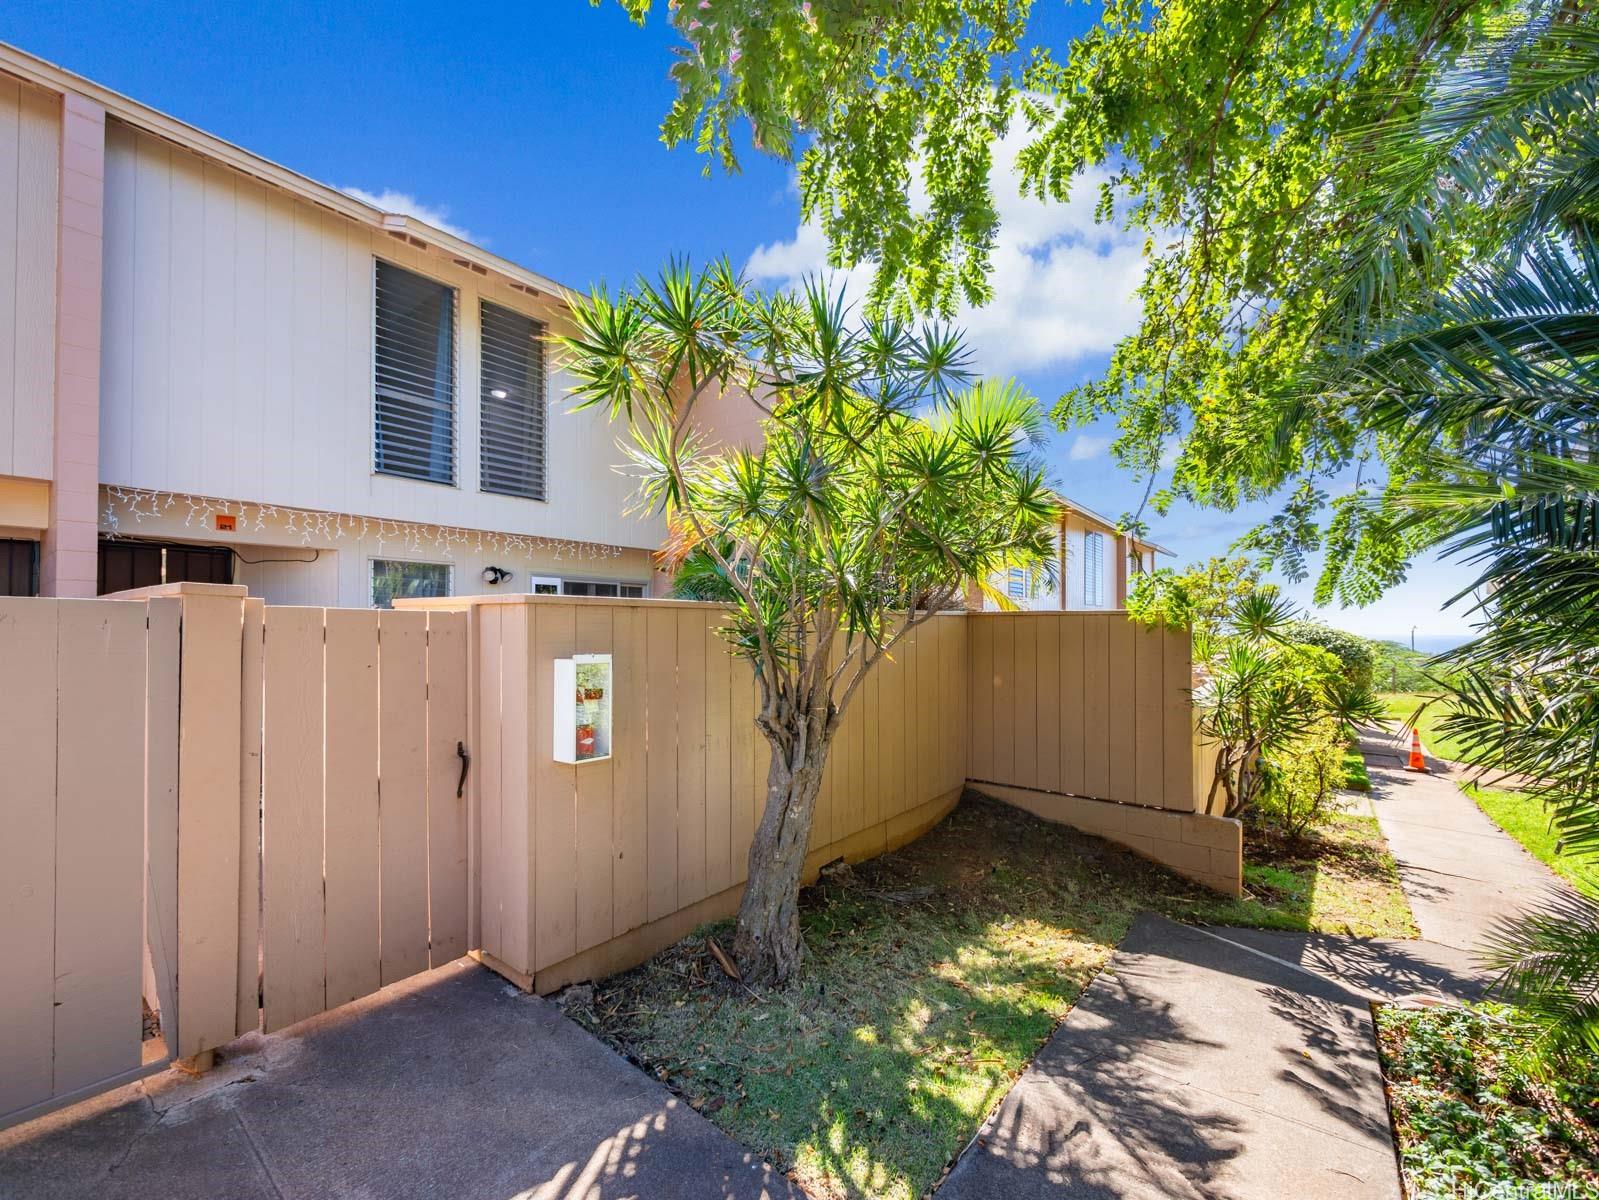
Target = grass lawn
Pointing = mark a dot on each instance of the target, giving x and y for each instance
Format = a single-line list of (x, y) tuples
[(1341, 879), (1524, 818), (933, 976), (1469, 1117), (1401, 706), (1355, 776)]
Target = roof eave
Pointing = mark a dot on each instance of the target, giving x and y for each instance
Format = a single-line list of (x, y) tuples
[(51, 77)]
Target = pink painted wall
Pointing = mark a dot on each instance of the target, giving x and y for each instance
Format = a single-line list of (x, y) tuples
[(68, 557)]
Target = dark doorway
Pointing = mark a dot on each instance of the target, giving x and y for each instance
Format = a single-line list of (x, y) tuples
[(125, 564), (19, 567)]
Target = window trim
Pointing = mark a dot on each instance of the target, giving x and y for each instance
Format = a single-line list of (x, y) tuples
[(454, 482), (373, 560)]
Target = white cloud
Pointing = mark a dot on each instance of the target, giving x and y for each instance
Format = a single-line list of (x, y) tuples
[(1064, 287), (1086, 446), (393, 201)]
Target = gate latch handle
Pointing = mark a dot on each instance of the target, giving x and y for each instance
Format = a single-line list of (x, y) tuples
[(466, 761)]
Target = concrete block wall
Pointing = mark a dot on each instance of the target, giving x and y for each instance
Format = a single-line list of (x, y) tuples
[(1206, 849)]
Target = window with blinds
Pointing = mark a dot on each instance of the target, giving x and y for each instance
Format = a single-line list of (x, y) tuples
[(414, 417), (1094, 570), (513, 408)]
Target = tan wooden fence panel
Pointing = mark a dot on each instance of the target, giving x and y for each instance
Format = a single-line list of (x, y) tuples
[(73, 738), (292, 928), (576, 858), (247, 1002), (1084, 704), (350, 828), (364, 840), (402, 785), (162, 686), (446, 810), (209, 762)]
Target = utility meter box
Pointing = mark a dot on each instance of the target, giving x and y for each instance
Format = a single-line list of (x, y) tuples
[(583, 708)]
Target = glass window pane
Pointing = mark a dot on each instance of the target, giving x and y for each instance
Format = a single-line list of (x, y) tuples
[(393, 579)]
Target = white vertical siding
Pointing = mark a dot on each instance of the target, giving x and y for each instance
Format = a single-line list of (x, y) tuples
[(314, 582), (243, 363), (30, 136)]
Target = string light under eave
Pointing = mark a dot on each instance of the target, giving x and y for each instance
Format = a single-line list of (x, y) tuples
[(311, 525)]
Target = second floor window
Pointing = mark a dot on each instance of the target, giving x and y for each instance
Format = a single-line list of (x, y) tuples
[(414, 365), (1094, 570), (513, 410), (1016, 583)]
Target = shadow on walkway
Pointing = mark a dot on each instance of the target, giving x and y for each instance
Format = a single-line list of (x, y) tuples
[(1195, 1067), (1461, 873), (450, 1084)]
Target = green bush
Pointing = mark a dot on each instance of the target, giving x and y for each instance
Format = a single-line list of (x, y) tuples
[(1303, 779), (1357, 655)]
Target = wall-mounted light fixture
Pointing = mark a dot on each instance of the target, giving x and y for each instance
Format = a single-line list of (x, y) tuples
[(495, 575)]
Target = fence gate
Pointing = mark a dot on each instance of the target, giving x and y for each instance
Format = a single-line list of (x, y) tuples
[(232, 815), (363, 835)]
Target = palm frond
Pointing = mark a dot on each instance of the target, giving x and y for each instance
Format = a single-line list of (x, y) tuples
[(1548, 965)]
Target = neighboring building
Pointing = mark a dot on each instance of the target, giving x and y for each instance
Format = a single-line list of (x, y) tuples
[(214, 368), (1094, 566)]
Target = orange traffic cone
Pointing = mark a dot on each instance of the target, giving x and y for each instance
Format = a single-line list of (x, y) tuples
[(1417, 762)]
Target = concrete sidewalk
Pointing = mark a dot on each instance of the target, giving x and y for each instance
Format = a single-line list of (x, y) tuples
[(452, 1084), (1210, 1063), (1461, 873), (1242, 1063)]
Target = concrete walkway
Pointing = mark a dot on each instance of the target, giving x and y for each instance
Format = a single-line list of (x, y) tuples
[(1242, 1063), (1207, 1064), (452, 1084), (1461, 872)]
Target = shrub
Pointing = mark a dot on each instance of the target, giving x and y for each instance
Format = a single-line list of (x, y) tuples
[(1356, 654), (1302, 781)]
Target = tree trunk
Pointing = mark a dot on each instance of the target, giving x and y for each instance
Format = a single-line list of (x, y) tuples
[(768, 945)]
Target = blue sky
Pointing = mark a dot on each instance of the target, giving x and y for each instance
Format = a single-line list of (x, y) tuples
[(533, 129)]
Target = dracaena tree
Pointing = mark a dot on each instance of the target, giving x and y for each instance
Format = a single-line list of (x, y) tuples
[(882, 483)]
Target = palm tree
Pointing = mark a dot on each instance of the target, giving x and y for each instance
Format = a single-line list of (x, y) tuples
[(1489, 395), (884, 481)]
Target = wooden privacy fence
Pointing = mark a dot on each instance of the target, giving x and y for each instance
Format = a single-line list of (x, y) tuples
[(240, 814), (1084, 704), (88, 726), (249, 815), (1087, 719), (586, 867)]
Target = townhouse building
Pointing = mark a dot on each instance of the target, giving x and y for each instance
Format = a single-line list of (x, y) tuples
[(214, 368), (1095, 566)]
